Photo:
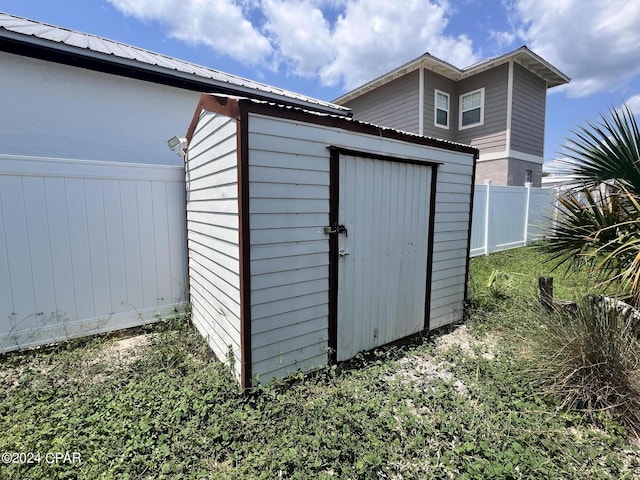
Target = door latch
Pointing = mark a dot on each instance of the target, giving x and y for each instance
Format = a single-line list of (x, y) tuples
[(339, 229)]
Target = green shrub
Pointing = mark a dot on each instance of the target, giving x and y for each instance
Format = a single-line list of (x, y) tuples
[(590, 359)]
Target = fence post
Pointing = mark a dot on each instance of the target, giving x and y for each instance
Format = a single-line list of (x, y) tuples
[(487, 209), (555, 207), (527, 186)]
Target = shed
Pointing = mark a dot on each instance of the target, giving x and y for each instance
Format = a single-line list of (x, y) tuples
[(313, 237)]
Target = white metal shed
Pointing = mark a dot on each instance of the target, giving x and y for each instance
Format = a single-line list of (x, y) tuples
[(313, 237)]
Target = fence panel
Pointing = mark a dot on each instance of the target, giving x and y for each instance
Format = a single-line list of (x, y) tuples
[(509, 217), (87, 247), (478, 223)]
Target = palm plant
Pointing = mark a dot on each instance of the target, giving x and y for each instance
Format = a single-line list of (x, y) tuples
[(598, 222)]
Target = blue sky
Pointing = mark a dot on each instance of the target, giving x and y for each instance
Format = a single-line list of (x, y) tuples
[(324, 48)]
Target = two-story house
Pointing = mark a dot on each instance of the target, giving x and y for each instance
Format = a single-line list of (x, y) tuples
[(497, 105)]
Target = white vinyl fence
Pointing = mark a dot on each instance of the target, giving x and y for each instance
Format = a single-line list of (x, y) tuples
[(87, 247), (509, 217)]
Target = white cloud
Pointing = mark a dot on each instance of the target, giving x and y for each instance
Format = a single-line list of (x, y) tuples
[(300, 34), (633, 103), (221, 25), (596, 42), (503, 39), (375, 36), (341, 42)]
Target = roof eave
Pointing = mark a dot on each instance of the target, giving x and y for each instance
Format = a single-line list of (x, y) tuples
[(523, 56), (426, 60), (529, 60), (30, 40)]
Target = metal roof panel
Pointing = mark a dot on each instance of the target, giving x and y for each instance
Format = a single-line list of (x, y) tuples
[(89, 45)]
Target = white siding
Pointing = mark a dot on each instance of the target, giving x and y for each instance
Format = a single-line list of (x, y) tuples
[(451, 231), (212, 233), (289, 318), (87, 247), (289, 206)]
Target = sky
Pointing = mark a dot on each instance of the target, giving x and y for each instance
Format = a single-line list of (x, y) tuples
[(324, 48)]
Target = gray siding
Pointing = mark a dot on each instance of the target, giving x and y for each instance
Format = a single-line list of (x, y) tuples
[(212, 235), (433, 82), (528, 112), (490, 137), (393, 105)]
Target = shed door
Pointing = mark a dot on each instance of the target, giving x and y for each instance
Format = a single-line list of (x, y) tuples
[(382, 256)]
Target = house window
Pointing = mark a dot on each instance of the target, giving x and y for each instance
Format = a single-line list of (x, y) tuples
[(441, 113), (472, 109), (528, 176)]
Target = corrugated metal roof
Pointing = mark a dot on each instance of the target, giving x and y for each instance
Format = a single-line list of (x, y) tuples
[(85, 44), (449, 144)]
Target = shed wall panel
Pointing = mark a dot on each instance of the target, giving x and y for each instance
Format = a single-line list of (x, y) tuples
[(289, 206), (288, 157), (212, 233)]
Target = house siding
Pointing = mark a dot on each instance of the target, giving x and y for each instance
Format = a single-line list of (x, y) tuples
[(491, 136), (395, 105), (212, 235), (433, 82), (528, 112)]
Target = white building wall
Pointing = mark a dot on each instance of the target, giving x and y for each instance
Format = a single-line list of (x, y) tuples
[(212, 233), (54, 110)]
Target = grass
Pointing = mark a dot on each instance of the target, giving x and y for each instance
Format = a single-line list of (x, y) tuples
[(458, 405)]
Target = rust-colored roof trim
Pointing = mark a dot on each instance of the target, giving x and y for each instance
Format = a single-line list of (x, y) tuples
[(230, 106)]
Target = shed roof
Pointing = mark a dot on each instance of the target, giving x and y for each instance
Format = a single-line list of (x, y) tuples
[(523, 56), (231, 106), (49, 42)]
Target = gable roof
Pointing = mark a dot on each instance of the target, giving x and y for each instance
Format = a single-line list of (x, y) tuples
[(49, 42), (523, 56)]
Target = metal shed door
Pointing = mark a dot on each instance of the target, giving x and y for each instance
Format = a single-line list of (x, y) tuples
[(382, 264)]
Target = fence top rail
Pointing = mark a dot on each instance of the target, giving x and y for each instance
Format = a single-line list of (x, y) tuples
[(65, 167)]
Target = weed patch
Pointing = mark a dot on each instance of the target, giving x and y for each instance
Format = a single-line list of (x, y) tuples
[(460, 405)]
